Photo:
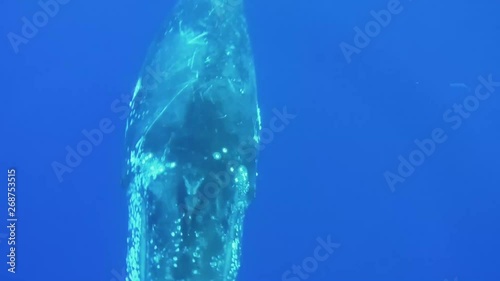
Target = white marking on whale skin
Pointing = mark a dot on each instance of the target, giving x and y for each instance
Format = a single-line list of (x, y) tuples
[(136, 90), (193, 39), (166, 106)]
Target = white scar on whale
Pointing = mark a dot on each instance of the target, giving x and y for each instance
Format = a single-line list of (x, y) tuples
[(191, 147)]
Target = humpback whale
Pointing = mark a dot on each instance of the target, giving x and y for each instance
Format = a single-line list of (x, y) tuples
[(191, 145)]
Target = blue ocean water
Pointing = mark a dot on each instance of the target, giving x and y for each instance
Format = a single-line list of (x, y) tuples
[(386, 168)]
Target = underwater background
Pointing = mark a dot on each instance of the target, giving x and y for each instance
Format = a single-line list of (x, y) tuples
[(389, 160)]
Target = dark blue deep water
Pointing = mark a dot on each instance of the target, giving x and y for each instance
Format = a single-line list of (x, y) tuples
[(392, 153)]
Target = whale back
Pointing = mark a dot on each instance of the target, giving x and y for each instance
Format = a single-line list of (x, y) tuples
[(191, 142)]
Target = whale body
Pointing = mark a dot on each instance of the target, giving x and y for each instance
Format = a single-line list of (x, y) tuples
[(191, 144)]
